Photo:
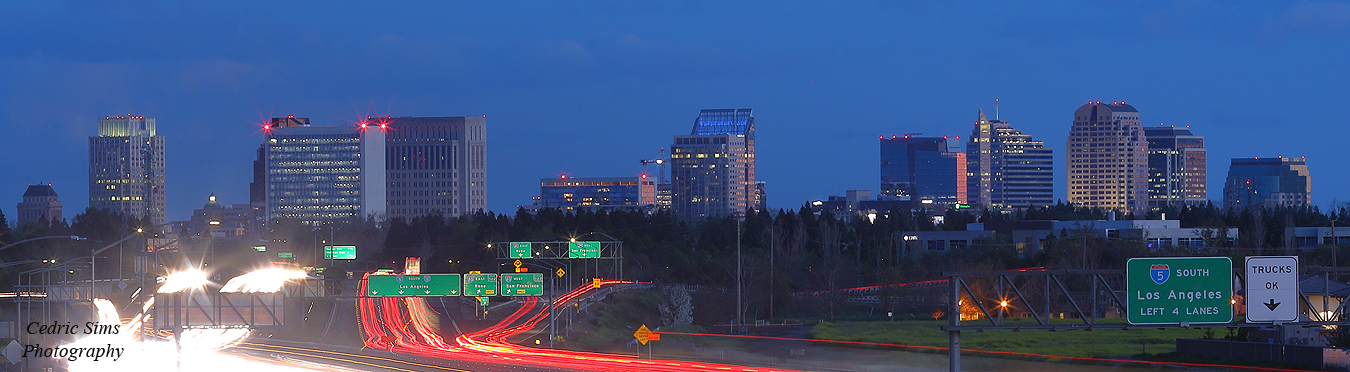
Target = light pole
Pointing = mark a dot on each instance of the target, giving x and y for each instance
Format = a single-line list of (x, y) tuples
[(93, 253), (71, 237), (740, 316)]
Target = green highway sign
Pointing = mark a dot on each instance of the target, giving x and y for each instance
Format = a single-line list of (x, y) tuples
[(413, 285), (523, 284), (339, 252), (1172, 290), (521, 250), (583, 250), (285, 255), (480, 284)]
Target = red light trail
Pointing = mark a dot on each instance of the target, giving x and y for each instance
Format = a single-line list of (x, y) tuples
[(403, 325)]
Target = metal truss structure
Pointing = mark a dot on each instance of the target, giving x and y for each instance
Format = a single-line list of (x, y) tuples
[(198, 309), (554, 255)]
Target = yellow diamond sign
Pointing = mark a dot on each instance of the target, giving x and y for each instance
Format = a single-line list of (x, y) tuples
[(560, 272), (642, 334)]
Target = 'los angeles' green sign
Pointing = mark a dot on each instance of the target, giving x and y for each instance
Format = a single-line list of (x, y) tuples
[(1172, 290)]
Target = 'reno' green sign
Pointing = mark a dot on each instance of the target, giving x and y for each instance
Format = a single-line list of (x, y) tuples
[(1172, 290)]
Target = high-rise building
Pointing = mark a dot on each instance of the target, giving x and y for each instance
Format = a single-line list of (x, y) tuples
[(713, 168), (316, 174), (1176, 167), (436, 165), (39, 201), (126, 167), (597, 193), (1108, 164), (1006, 168), (257, 190), (1278, 181), (923, 169), (761, 196)]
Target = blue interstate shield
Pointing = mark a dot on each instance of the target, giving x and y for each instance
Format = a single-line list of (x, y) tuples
[(1159, 273)]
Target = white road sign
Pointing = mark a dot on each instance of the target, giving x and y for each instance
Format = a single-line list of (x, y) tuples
[(1272, 289)]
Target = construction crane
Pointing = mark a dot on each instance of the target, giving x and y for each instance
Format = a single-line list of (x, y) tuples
[(661, 161)]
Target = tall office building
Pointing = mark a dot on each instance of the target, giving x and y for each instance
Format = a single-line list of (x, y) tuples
[(597, 193), (316, 174), (713, 168), (436, 165), (126, 167), (1176, 167), (1006, 168), (923, 169), (1108, 164), (39, 201), (1278, 181)]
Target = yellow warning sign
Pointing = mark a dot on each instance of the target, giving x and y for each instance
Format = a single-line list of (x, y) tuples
[(642, 334)]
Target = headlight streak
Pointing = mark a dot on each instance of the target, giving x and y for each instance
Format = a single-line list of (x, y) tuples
[(154, 351)]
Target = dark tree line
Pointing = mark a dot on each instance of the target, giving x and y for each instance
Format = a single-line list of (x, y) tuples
[(783, 252)]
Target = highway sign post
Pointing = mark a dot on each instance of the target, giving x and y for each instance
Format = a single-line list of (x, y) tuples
[(583, 250), (480, 284), (1272, 289), (1179, 290), (339, 252), (521, 250), (523, 284), (413, 285)]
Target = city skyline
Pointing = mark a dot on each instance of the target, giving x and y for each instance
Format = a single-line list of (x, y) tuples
[(628, 80)]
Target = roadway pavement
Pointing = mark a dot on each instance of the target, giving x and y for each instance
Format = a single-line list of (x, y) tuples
[(370, 359)]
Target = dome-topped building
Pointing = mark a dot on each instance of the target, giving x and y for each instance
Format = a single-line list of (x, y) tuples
[(220, 220), (38, 201)]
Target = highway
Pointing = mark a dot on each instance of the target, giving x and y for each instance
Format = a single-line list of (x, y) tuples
[(403, 325)]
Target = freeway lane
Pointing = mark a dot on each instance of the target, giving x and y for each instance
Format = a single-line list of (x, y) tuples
[(369, 359)]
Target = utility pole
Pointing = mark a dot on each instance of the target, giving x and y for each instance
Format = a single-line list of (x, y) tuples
[(773, 246), (740, 320)]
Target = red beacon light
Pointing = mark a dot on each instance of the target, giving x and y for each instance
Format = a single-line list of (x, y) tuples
[(644, 176), (564, 176)]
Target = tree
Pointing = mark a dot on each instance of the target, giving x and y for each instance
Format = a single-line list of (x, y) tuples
[(6, 236)]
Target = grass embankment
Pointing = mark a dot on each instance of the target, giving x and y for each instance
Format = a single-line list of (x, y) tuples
[(1099, 343)]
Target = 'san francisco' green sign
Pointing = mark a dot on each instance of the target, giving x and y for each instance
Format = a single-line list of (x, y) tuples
[(1172, 290), (583, 250), (523, 284)]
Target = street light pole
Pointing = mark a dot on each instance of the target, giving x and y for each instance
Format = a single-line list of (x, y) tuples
[(740, 316), (93, 253), (71, 237)]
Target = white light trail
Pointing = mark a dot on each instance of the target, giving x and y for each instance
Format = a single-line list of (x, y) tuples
[(200, 348), (261, 281), (183, 280)]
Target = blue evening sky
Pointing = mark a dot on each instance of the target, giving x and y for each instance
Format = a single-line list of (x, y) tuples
[(588, 88)]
